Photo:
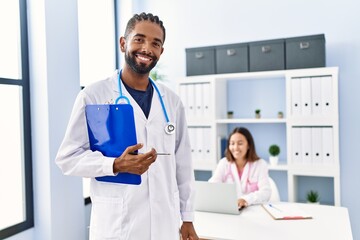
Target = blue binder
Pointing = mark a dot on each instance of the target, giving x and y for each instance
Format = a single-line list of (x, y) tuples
[(111, 129)]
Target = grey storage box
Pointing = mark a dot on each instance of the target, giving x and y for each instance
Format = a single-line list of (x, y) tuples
[(232, 58), (305, 52), (200, 61), (267, 55)]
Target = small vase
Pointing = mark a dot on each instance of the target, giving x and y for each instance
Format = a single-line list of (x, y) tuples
[(273, 160), (257, 115)]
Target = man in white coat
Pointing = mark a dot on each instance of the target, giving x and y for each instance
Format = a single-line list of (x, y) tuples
[(155, 208)]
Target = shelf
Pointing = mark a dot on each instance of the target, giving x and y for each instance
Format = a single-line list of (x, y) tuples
[(259, 75), (271, 91), (250, 120), (196, 123), (279, 167), (313, 121), (235, 76), (314, 170)]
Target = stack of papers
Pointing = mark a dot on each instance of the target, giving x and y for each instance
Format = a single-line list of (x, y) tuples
[(286, 211)]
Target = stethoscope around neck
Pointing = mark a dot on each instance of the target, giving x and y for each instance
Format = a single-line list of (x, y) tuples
[(230, 174), (169, 127)]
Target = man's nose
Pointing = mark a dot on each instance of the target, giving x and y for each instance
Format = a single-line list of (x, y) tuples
[(146, 47)]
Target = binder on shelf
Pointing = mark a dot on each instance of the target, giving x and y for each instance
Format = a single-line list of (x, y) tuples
[(316, 95), (326, 94), (199, 151), (306, 96), (306, 145), (191, 100), (199, 96), (328, 145), (207, 144), (111, 129), (223, 146), (296, 96), (192, 135), (286, 211), (296, 145), (317, 142), (206, 100)]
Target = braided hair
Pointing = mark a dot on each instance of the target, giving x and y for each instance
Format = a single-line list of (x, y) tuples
[(143, 17)]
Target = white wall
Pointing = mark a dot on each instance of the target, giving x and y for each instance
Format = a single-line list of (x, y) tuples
[(213, 22)]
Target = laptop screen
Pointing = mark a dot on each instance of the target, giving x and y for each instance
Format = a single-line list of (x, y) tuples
[(216, 197)]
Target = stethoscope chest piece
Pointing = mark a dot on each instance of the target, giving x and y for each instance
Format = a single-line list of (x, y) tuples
[(170, 128)]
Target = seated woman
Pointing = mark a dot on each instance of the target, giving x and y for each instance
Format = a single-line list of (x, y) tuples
[(242, 166)]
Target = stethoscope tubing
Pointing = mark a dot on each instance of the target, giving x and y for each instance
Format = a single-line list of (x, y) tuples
[(230, 174), (169, 125)]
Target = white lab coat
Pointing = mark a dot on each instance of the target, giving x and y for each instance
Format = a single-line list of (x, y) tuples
[(153, 209), (254, 186)]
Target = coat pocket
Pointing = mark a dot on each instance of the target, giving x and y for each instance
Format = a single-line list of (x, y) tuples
[(106, 218)]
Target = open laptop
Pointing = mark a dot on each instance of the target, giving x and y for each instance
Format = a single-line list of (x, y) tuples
[(216, 197)]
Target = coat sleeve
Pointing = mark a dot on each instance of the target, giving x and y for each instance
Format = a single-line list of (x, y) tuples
[(220, 171), (74, 156), (184, 168), (264, 190)]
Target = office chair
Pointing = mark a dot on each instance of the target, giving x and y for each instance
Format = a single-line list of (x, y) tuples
[(275, 196)]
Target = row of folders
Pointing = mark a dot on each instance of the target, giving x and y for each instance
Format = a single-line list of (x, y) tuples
[(313, 146), (312, 96), (200, 140), (196, 100)]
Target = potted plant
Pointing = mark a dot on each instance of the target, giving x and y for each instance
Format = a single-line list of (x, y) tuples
[(313, 197), (280, 114), (230, 114), (274, 151), (257, 113), (155, 75)]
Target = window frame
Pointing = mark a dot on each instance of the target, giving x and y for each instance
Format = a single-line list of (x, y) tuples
[(24, 82)]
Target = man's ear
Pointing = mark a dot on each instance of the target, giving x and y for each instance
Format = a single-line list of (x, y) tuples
[(122, 42)]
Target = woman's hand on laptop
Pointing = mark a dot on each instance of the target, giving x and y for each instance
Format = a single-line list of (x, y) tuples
[(242, 203)]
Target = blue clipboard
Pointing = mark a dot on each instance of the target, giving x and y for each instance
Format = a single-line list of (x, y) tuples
[(111, 129)]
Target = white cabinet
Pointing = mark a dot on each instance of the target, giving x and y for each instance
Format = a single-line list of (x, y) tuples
[(308, 134)]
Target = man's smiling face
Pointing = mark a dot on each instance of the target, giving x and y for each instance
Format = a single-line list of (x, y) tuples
[(143, 47)]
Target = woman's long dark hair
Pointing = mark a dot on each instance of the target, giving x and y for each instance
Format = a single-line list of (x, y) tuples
[(251, 154)]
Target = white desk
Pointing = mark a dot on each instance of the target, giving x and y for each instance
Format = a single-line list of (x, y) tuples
[(254, 223)]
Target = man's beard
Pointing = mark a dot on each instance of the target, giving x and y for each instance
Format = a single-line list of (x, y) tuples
[(139, 68)]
